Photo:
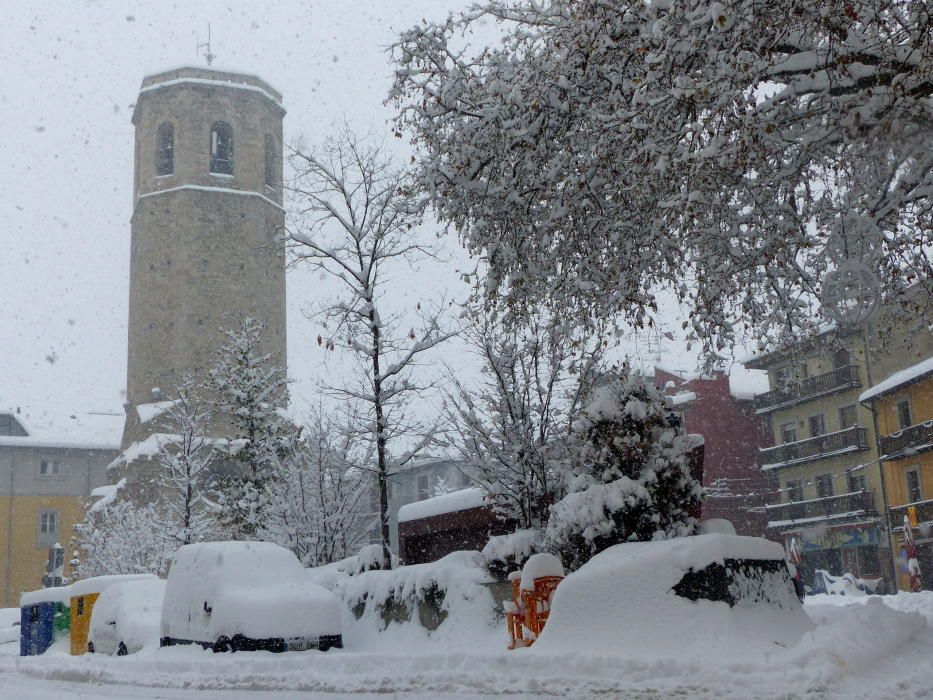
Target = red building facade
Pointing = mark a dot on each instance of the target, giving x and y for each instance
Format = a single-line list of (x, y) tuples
[(721, 409)]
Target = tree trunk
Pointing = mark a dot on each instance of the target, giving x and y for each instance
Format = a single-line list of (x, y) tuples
[(381, 467)]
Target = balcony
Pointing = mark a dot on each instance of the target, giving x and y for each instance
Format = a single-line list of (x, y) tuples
[(839, 379), (924, 513), (846, 505), (841, 442), (908, 442)]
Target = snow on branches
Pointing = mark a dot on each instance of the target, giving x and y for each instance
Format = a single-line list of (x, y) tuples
[(725, 150), (631, 479)]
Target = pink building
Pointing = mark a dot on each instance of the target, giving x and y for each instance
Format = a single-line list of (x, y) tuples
[(720, 407)]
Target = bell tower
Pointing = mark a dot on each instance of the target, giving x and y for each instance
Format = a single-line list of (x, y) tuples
[(207, 210)]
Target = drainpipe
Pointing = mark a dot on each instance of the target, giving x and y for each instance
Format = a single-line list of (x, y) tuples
[(886, 515), (9, 532)]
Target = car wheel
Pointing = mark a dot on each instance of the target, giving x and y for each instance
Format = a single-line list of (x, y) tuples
[(90, 647), (122, 650), (222, 645)]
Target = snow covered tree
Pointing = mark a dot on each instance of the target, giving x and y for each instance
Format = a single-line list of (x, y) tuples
[(185, 457), (249, 391), (440, 487), (120, 536), (630, 480), (358, 217), (313, 505), (731, 151), (511, 427)]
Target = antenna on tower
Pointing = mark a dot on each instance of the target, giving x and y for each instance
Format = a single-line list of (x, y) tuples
[(208, 56)]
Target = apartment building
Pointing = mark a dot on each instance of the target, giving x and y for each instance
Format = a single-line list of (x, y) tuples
[(903, 404), (48, 470)]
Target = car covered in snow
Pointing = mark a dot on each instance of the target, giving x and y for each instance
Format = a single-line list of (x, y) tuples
[(714, 593), (126, 617), (246, 596)]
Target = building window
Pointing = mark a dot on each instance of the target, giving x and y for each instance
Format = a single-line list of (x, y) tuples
[(824, 485), (222, 149), (48, 528), (422, 487), (50, 467), (841, 358), (795, 491), (904, 419), (782, 377), (914, 492), (856, 482), (789, 433), (848, 417), (271, 175), (817, 425), (165, 149)]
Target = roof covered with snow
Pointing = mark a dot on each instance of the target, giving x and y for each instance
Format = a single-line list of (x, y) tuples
[(100, 430), (448, 503), (911, 374)]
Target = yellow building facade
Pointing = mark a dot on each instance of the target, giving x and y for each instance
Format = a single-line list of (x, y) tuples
[(44, 486), (903, 405)]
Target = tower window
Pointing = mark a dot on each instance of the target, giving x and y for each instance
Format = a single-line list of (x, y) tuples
[(270, 161), (165, 149), (222, 148)]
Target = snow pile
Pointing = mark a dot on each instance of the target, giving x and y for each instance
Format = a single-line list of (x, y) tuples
[(9, 625), (99, 584), (256, 589), (538, 566), (452, 502), (149, 411), (623, 602), (369, 558), (420, 604), (58, 594), (504, 554), (128, 612), (847, 584)]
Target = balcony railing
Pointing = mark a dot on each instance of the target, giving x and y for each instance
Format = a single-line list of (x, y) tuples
[(924, 512), (849, 440), (908, 442), (807, 389), (857, 503)]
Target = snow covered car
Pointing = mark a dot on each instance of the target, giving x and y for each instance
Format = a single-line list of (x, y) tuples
[(246, 596), (126, 617), (708, 594)]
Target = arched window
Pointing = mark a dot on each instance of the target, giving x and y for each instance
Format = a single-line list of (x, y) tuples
[(165, 149), (222, 148), (271, 174)]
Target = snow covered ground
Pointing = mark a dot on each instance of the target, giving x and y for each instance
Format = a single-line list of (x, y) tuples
[(860, 648)]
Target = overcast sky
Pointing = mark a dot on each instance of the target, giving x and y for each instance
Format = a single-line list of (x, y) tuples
[(70, 75)]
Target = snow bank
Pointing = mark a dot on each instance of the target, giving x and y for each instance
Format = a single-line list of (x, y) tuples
[(504, 554), (421, 604), (439, 505), (623, 601)]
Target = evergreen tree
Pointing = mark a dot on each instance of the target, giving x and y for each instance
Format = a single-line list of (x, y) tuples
[(249, 390), (186, 456), (631, 480)]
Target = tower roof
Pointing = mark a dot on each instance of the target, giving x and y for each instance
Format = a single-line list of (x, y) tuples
[(199, 75)]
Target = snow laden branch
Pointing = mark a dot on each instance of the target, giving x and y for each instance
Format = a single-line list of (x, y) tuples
[(511, 427), (732, 152), (356, 217)]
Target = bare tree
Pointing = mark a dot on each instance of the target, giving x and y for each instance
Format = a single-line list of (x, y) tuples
[(313, 503), (511, 427), (357, 216)]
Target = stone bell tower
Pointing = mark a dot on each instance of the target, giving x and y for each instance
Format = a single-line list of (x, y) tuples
[(207, 209)]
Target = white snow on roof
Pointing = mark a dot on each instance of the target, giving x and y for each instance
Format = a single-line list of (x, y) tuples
[(898, 379), (58, 594), (98, 584), (205, 188), (106, 494), (100, 430), (448, 503), (683, 397), (148, 411), (215, 83), (745, 384)]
